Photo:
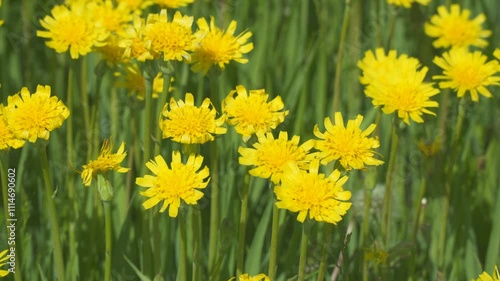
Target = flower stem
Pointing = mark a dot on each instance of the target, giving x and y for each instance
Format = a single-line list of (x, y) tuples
[(243, 226), (162, 100), (183, 261), (303, 250), (449, 173), (196, 244), (148, 97), (340, 55), (54, 226), (386, 222), (392, 23), (85, 104), (274, 242), (423, 185), (366, 229), (327, 238), (107, 221), (214, 204)]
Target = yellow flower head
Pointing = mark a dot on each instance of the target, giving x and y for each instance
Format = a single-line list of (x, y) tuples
[(407, 3), (467, 71), (171, 184), (7, 138), (33, 116), (131, 78), (351, 146), (110, 17), (72, 28), (398, 85), (132, 40), (173, 40), (172, 3), (322, 197), (186, 123), (250, 113), (453, 28), (486, 277), (112, 52), (246, 277), (270, 155), (3, 262), (106, 161), (218, 47)]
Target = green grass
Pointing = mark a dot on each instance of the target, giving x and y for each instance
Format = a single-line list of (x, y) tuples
[(295, 56)]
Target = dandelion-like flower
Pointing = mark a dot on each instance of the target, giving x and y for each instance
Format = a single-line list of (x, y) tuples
[(112, 52), (465, 71), (270, 156), (132, 40), (175, 183), (72, 28), (33, 116), (453, 28), (112, 18), (131, 78), (172, 3), (3, 261), (173, 40), (250, 113), (486, 277), (218, 47), (322, 197), (350, 145), (246, 277), (407, 3), (106, 161), (136, 6), (186, 123), (398, 85), (7, 138)]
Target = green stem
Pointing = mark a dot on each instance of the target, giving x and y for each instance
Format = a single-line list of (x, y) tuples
[(114, 113), (392, 23), (418, 204), (196, 244), (85, 104), (243, 226), (448, 178), (303, 250), (183, 256), (108, 225), (54, 226), (162, 100), (366, 229), (3, 176), (386, 223), (214, 203), (149, 77), (327, 238), (274, 242), (340, 55), (157, 243)]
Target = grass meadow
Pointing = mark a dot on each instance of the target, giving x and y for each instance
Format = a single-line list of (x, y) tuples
[(430, 212)]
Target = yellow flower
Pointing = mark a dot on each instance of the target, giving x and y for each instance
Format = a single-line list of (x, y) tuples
[(486, 277), (72, 28), (496, 54), (112, 52), (106, 161), (171, 184), (322, 197), (351, 146), (250, 113), (130, 77), (246, 277), (374, 63), (136, 6), (186, 123), (465, 71), (112, 18), (172, 3), (398, 85), (270, 155), (7, 138), (3, 262), (454, 29), (173, 40), (1, 21), (133, 41), (218, 47), (407, 3), (33, 116)]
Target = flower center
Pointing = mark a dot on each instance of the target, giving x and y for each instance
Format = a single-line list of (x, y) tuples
[(468, 75)]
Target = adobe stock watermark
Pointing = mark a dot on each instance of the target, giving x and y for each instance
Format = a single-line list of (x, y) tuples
[(11, 219)]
